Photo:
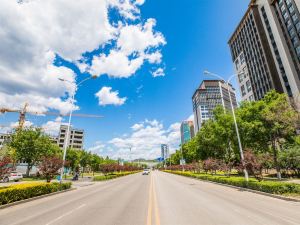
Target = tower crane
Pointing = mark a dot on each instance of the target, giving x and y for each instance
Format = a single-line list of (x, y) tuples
[(22, 114)]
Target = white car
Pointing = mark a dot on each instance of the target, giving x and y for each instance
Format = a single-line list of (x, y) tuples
[(146, 172), (13, 176)]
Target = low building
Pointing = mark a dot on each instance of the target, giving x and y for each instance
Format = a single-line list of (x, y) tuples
[(4, 138)]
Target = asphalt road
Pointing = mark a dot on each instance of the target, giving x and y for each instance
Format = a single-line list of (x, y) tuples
[(157, 199)]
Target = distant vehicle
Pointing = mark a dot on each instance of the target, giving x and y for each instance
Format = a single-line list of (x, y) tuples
[(146, 172), (13, 176)]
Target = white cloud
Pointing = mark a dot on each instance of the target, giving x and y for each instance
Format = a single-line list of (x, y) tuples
[(158, 73), (134, 46), (52, 127), (145, 140), (137, 126), (108, 97), (98, 148), (15, 125), (34, 32), (116, 64)]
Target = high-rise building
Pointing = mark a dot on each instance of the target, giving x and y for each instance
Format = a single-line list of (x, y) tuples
[(75, 139), (210, 94), (186, 131), (164, 151), (265, 48)]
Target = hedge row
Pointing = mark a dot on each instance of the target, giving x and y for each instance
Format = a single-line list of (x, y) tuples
[(112, 176), (19, 192), (273, 187)]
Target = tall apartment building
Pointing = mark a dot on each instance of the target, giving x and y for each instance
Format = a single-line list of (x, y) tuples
[(76, 137), (186, 131), (265, 49), (210, 94), (164, 151)]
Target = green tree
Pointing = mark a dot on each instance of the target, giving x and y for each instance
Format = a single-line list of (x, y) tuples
[(30, 145), (95, 162), (289, 159), (280, 120), (73, 159)]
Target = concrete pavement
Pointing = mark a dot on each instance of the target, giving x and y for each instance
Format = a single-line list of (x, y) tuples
[(157, 199)]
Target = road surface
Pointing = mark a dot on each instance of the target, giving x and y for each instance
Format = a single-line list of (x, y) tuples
[(157, 199)]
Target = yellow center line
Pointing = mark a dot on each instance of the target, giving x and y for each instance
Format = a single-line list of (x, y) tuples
[(149, 217), (152, 203), (157, 219)]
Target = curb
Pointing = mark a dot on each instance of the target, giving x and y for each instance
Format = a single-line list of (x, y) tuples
[(34, 198), (245, 189)]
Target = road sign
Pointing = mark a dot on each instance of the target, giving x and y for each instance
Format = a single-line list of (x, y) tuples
[(160, 159)]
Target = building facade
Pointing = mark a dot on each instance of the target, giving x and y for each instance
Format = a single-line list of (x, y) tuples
[(210, 94), (186, 131), (4, 138), (76, 138), (164, 151), (266, 44)]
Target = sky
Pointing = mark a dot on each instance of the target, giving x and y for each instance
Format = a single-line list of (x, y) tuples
[(148, 56)]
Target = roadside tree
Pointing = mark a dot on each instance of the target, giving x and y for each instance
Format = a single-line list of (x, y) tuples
[(49, 167)]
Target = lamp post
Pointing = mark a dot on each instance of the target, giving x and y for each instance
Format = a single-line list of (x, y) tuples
[(182, 160), (234, 117), (70, 119)]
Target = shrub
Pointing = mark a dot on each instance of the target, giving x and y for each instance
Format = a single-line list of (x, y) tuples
[(273, 187), (112, 176), (19, 192)]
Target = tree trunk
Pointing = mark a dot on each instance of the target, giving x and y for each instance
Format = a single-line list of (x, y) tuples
[(28, 169), (275, 153)]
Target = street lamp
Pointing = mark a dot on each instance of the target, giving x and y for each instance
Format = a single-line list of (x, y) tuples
[(182, 159), (70, 118), (234, 118)]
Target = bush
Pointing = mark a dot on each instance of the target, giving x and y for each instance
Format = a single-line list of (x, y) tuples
[(112, 176), (273, 187), (19, 192)]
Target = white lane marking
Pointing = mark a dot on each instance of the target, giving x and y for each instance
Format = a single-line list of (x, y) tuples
[(66, 214)]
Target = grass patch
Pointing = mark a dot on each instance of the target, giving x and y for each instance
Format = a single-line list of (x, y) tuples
[(273, 187), (19, 192)]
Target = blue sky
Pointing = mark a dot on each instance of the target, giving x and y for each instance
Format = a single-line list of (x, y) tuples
[(196, 34)]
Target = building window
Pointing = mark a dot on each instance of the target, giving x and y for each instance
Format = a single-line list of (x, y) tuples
[(241, 77), (282, 8), (298, 26), (285, 15), (289, 24), (292, 32), (291, 9), (288, 2), (248, 85), (243, 90), (295, 41), (298, 51), (295, 18)]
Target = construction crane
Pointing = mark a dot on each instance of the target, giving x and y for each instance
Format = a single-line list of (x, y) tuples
[(22, 114)]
